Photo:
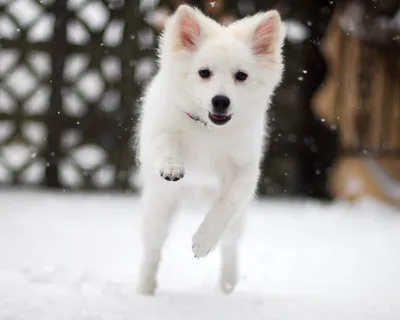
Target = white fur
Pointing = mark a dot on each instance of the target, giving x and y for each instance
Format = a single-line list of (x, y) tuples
[(225, 158)]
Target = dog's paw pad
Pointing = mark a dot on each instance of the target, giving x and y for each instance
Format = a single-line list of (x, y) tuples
[(172, 171)]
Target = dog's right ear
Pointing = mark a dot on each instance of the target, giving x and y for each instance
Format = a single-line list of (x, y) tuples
[(187, 31)]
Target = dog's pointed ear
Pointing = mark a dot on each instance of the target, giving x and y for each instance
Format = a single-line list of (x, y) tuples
[(188, 30), (268, 35)]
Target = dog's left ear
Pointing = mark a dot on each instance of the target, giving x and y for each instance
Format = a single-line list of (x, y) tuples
[(268, 35)]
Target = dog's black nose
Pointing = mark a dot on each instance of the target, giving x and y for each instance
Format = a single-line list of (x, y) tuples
[(220, 103)]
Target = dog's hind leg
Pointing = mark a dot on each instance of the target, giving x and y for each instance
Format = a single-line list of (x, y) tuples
[(158, 207), (229, 254)]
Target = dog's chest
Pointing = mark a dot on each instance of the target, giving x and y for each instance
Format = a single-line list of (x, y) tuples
[(200, 150), (210, 154)]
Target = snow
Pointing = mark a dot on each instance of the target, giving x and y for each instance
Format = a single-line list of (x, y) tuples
[(34, 173), (43, 29), (38, 103), (25, 11), (8, 29), (110, 67), (41, 63), (75, 65), (95, 15), (7, 104), (296, 32), (91, 85), (34, 132), (113, 33), (69, 174), (8, 58), (21, 81), (73, 106), (89, 156), (75, 256), (146, 5), (76, 33), (15, 154), (144, 69), (6, 129), (5, 174), (104, 177)]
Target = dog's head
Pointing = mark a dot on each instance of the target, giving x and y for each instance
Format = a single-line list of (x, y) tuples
[(224, 71)]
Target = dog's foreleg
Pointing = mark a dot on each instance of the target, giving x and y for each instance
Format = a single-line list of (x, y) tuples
[(236, 194), (168, 157), (158, 206)]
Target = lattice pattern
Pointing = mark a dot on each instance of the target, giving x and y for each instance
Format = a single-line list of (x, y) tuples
[(103, 48)]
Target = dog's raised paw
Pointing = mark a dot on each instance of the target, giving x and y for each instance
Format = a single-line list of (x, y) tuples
[(202, 244), (171, 171), (199, 252)]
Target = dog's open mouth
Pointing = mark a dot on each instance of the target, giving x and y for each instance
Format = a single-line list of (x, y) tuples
[(219, 119)]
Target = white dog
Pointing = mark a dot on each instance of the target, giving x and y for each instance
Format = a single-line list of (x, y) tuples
[(203, 123)]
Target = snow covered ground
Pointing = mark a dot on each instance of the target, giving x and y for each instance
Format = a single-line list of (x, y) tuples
[(75, 257)]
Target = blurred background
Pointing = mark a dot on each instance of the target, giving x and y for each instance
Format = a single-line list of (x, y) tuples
[(71, 74)]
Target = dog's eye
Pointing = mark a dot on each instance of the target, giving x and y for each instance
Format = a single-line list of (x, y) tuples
[(240, 76), (205, 73)]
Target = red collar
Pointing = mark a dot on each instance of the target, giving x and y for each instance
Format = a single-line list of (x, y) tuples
[(195, 118)]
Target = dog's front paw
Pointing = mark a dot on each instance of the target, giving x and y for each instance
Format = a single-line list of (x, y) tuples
[(203, 243), (171, 170)]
